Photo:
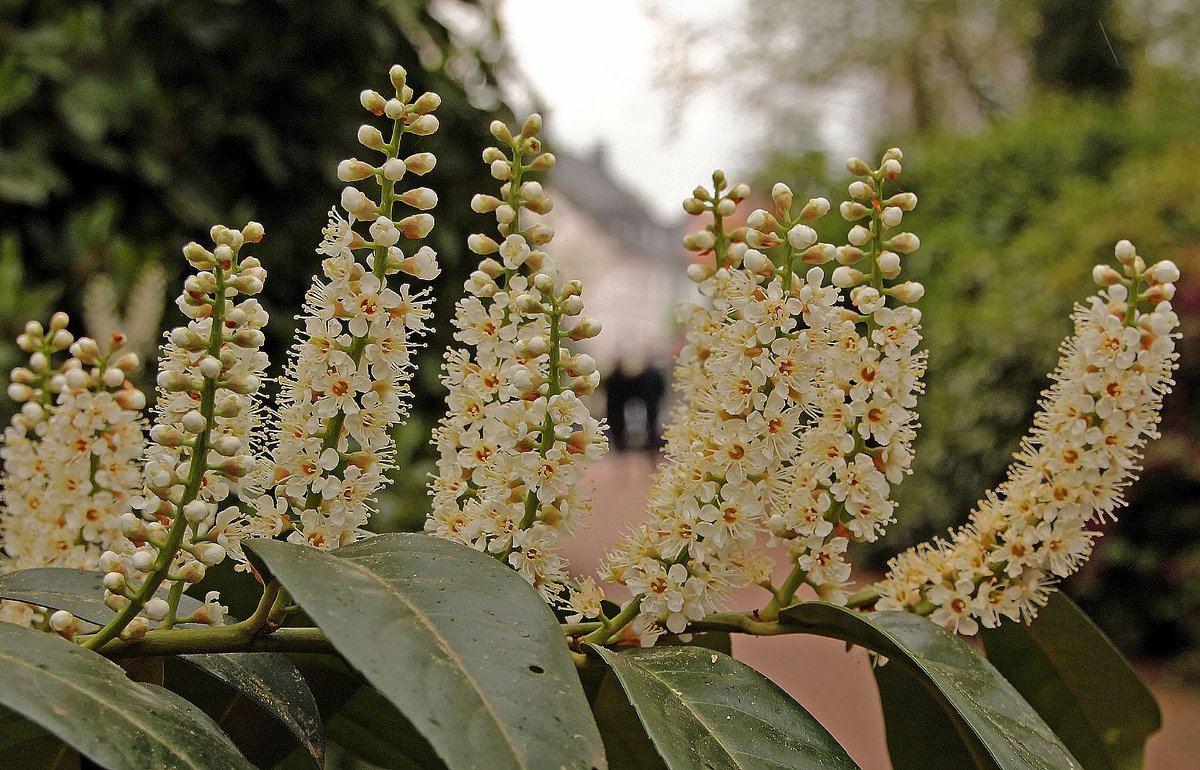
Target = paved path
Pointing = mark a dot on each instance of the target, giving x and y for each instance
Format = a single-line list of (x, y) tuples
[(833, 684)]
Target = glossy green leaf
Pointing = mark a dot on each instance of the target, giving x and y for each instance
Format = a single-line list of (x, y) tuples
[(708, 711), (997, 725), (88, 702), (625, 740), (1075, 678), (920, 734), (78, 591), (463, 646), (272, 682)]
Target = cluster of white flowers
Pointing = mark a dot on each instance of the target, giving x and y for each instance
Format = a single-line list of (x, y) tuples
[(346, 382), (508, 480), (797, 411), (69, 454), (1084, 449), (204, 438)]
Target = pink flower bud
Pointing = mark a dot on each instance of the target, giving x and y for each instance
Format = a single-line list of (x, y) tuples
[(416, 226), (426, 103), (905, 243), (814, 209), (353, 170), (909, 291)]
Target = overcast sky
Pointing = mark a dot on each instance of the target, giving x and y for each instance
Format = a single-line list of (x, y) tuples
[(593, 65)]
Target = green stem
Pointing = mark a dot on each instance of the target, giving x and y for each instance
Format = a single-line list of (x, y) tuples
[(185, 641), (784, 596), (610, 628)]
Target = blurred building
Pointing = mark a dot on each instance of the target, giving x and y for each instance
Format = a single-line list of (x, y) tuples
[(632, 266)]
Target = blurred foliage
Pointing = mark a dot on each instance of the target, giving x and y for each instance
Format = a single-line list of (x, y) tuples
[(128, 129)]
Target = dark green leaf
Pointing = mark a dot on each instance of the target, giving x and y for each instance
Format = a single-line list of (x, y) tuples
[(920, 735), (87, 701), (1079, 683), (201, 722), (706, 710), (361, 720), (370, 727), (272, 682), (625, 740), (26, 746), (995, 722), (78, 591), (464, 647)]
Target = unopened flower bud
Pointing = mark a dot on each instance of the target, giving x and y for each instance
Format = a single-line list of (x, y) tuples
[(532, 126), (543, 162), (500, 169), (423, 126), (905, 243), (845, 277), (137, 628), (500, 131), (426, 103), (757, 262), (114, 581), (862, 190), (892, 216), (814, 209), (801, 236), (852, 211), (909, 291), (353, 170), (698, 273), (421, 198), (540, 234), (699, 241), (819, 253), (397, 74), (726, 207), (193, 422), (61, 621), (142, 561), (1164, 272), (416, 226), (209, 554), (370, 137), (891, 168), (889, 264), (858, 235), (586, 329), (372, 100), (1105, 275), (858, 167), (481, 244), (781, 194), (156, 609), (1125, 252)]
